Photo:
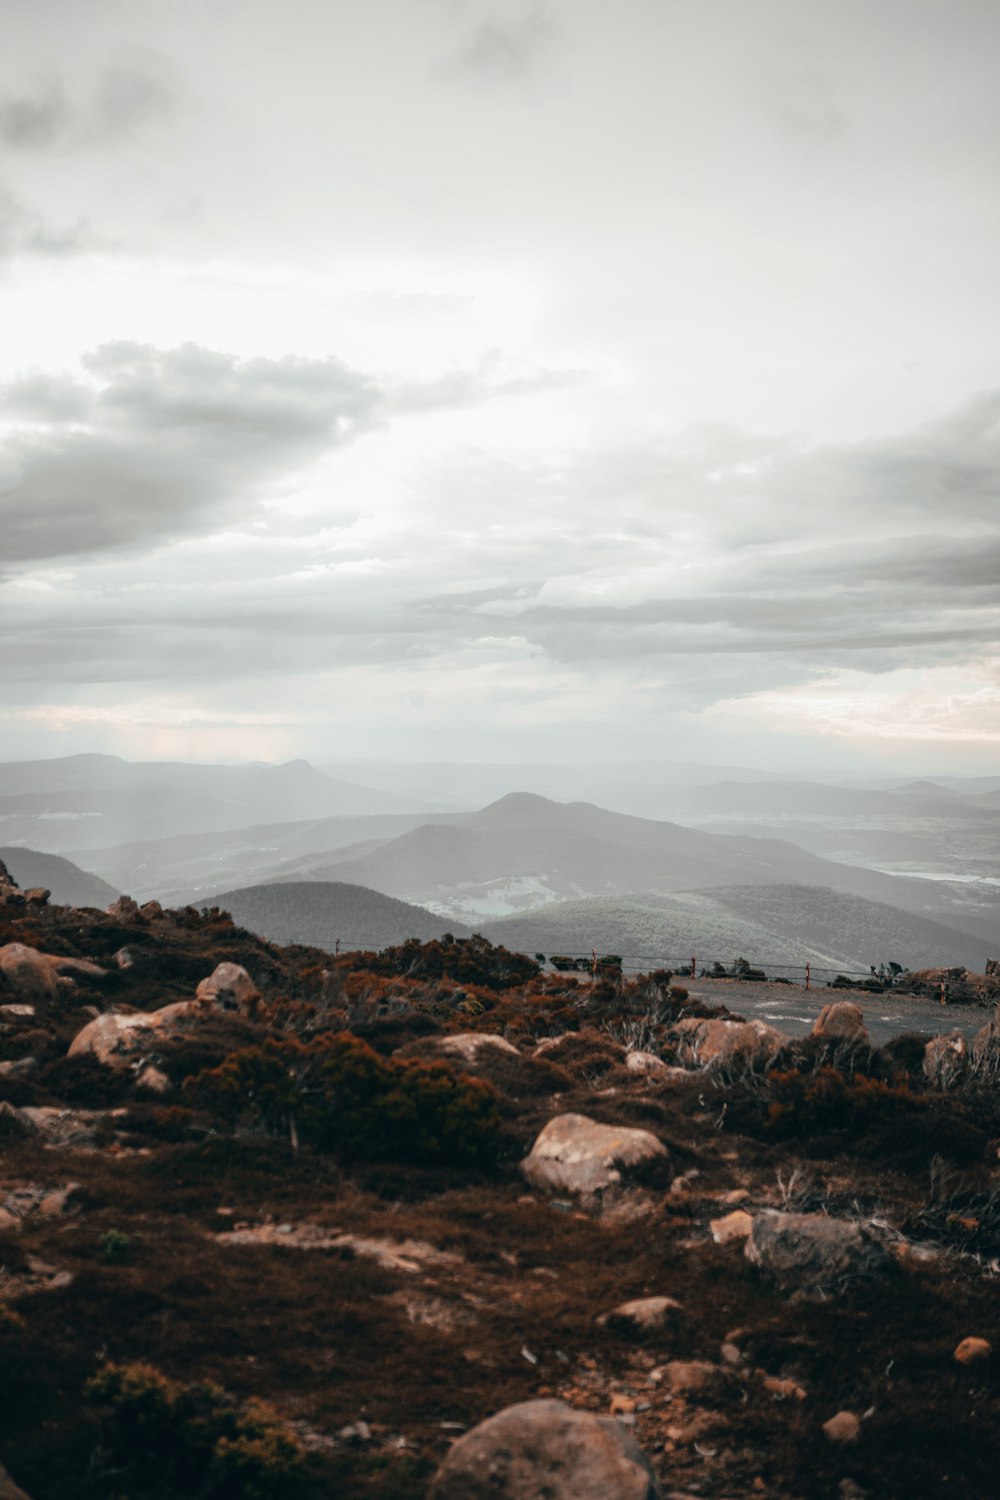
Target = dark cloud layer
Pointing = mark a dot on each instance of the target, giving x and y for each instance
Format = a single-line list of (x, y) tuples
[(164, 443)]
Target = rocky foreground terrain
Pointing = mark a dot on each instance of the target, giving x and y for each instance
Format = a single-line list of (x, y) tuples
[(433, 1223)]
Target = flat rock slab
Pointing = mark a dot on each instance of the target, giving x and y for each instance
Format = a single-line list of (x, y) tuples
[(393, 1255), (545, 1450)]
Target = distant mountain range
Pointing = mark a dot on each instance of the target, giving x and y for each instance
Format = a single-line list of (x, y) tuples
[(87, 801), (184, 833), (319, 913)]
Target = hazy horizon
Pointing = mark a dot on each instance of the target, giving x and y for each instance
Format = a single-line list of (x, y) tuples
[(456, 380)]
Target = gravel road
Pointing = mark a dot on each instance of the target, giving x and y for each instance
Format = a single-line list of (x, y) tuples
[(793, 1009)]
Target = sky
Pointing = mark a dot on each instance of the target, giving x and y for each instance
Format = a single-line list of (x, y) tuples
[(501, 380)]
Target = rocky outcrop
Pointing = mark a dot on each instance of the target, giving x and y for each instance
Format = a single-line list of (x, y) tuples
[(706, 1042), (229, 987), (812, 1252), (574, 1154), (124, 909), (841, 1021), (545, 1448)]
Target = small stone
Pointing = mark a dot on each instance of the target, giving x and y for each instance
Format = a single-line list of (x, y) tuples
[(641, 1315), (690, 1376), (784, 1390), (842, 1428), (621, 1404), (731, 1354), (973, 1351), (735, 1226)]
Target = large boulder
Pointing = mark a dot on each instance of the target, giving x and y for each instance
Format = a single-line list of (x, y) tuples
[(117, 1040), (574, 1154), (841, 1021), (229, 987), (812, 1252), (545, 1450), (717, 1041), (945, 1059), (27, 973)]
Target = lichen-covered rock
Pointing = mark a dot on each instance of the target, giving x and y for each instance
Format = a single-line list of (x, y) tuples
[(715, 1041), (841, 1021), (113, 1039), (574, 1154), (946, 1059), (229, 987), (116, 1040), (812, 1252), (545, 1449)]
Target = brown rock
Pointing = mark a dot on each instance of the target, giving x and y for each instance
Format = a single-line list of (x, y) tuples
[(690, 1377), (841, 1021), (641, 1315), (973, 1351), (812, 1252), (574, 1154), (124, 909), (545, 1448), (843, 1428), (114, 1039), (704, 1042), (229, 987), (735, 1226), (26, 972), (646, 1063)]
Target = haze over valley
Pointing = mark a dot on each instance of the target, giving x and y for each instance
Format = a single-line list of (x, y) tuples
[(737, 875)]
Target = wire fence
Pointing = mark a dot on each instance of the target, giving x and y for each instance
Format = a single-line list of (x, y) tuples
[(691, 966)]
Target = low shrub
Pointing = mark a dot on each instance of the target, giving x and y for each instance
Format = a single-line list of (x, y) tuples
[(339, 1094), (193, 1439), (826, 1100)]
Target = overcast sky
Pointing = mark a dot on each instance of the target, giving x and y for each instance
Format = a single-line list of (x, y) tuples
[(493, 379)]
